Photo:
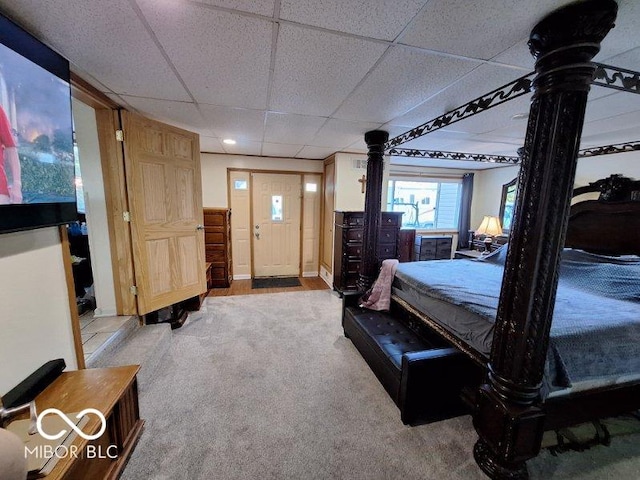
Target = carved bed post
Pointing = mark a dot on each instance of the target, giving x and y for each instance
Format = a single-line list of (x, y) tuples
[(509, 423), (375, 140)]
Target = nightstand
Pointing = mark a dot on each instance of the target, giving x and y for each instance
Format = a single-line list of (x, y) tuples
[(467, 254)]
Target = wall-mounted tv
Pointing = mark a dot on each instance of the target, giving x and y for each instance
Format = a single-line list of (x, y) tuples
[(37, 176)]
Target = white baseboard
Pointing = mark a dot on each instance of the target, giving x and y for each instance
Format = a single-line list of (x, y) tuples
[(326, 276), (243, 276), (105, 312), (310, 274)]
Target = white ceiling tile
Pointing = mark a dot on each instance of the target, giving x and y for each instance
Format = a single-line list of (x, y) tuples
[(261, 7), (339, 134), (617, 129), (618, 103), (98, 36), (377, 19), (624, 36), (315, 153), (438, 140), (518, 56), (479, 29), (236, 123), (315, 71), (211, 145), (629, 60), (181, 114), (280, 150), (223, 58), (439, 163), (418, 75), (478, 82), (282, 127), (244, 147)]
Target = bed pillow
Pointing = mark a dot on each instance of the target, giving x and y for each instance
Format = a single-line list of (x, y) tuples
[(612, 277)]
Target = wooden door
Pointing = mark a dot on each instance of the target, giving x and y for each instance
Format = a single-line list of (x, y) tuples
[(326, 254), (276, 211), (165, 200)]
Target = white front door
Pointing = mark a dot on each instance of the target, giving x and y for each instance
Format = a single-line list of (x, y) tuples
[(276, 212)]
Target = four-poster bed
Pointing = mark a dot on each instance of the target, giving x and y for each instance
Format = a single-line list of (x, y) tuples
[(508, 411)]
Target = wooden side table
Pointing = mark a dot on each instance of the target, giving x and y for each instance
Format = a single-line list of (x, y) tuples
[(469, 254), (112, 391)]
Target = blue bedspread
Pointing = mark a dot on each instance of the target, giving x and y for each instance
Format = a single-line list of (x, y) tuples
[(595, 332)]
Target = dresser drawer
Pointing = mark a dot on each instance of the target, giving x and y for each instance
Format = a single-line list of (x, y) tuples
[(350, 281), (353, 235), (352, 266), (388, 235), (388, 220), (422, 242), (386, 251), (444, 242), (214, 237), (353, 250)]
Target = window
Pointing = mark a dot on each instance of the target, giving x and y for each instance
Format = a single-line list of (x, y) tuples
[(426, 203)]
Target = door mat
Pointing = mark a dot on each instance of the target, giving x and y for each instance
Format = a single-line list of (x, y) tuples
[(275, 282)]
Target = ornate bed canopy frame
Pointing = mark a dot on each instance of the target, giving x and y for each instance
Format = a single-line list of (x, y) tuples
[(508, 415)]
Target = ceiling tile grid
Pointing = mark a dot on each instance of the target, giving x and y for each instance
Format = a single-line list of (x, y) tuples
[(479, 29), (418, 75), (104, 39), (308, 78), (223, 58), (315, 71), (379, 19)]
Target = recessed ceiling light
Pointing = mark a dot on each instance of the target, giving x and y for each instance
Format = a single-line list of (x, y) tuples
[(520, 116), (229, 141)]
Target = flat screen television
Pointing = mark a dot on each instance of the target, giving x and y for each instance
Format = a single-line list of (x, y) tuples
[(37, 175)]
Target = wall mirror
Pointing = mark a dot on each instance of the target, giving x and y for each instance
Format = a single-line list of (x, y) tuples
[(507, 203)]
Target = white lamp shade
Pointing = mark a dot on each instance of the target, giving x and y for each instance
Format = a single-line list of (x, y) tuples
[(490, 226)]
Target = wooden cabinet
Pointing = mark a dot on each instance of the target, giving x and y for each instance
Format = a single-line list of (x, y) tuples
[(217, 245), (112, 391), (406, 244), (433, 247), (347, 253)]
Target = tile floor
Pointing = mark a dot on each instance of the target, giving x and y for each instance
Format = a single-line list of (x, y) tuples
[(96, 331)]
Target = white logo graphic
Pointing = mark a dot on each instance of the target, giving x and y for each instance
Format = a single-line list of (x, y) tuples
[(71, 423)]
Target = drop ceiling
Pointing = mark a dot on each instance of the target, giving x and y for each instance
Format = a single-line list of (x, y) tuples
[(307, 78)]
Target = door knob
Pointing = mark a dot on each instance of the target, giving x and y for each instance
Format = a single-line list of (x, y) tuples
[(257, 235), (199, 227)]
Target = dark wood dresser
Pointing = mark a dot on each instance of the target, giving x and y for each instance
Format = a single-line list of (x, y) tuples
[(433, 247), (347, 244), (217, 245)]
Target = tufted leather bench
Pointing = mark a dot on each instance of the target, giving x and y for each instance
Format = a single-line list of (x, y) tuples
[(424, 380)]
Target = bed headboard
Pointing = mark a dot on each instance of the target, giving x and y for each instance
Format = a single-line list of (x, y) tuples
[(611, 224)]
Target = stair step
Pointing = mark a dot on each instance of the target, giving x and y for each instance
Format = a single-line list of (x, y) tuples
[(113, 343), (145, 347)]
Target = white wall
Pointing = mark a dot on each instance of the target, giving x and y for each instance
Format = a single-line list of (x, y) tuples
[(487, 184), (84, 118), (214, 172), (348, 190), (35, 322)]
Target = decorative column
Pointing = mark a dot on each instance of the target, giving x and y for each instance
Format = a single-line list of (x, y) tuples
[(375, 140), (509, 424)]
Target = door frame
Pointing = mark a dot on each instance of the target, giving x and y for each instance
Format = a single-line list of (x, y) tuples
[(284, 172)]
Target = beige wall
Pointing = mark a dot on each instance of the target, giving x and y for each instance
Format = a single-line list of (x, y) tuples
[(35, 322), (487, 184), (348, 191), (96, 208), (214, 172)]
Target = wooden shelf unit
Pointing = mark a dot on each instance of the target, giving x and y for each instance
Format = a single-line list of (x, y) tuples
[(217, 245)]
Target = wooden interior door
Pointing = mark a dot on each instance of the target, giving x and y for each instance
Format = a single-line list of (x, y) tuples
[(326, 254), (165, 200), (276, 211)]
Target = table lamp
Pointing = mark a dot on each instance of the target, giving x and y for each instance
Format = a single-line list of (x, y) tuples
[(490, 227)]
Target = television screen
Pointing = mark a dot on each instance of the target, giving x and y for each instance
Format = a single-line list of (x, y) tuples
[(37, 174)]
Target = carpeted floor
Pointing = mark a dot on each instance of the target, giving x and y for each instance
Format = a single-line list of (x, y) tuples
[(267, 387)]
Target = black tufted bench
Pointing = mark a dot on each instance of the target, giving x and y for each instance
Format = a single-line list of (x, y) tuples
[(424, 380)]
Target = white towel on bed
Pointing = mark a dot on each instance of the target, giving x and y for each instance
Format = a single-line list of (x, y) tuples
[(378, 297)]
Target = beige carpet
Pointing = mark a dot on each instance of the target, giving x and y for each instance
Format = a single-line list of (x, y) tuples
[(267, 387)]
